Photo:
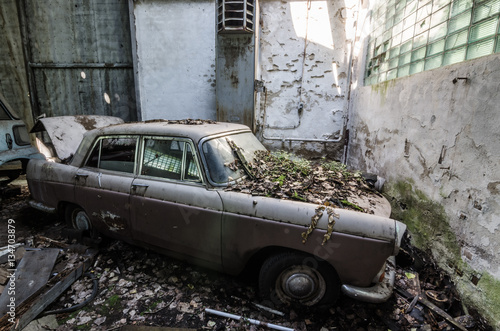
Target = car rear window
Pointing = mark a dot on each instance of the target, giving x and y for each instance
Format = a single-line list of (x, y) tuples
[(114, 153)]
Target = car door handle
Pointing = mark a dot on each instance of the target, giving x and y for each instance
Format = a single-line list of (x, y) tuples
[(140, 185), (77, 175), (8, 139)]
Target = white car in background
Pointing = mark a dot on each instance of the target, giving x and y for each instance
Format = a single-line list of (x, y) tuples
[(15, 145)]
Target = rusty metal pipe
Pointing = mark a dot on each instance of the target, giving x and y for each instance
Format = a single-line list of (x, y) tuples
[(249, 320), (335, 140)]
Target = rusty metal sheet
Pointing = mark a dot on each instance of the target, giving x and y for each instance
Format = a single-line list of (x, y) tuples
[(66, 132), (31, 274), (235, 79)]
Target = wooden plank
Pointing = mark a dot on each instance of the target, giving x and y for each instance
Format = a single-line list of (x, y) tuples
[(4, 274), (432, 307), (45, 299), (32, 273)]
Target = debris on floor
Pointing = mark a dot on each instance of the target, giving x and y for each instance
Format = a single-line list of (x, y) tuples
[(28, 276), (34, 276), (140, 290)]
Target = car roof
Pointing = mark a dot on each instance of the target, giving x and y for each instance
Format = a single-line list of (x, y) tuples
[(194, 129)]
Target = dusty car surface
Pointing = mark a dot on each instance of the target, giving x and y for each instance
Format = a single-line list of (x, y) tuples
[(15, 145), (161, 185)]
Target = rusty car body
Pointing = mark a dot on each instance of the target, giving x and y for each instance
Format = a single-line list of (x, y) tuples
[(162, 185), (15, 144)]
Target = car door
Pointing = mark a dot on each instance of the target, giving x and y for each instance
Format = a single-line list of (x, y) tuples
[(102, 185), (172, 208)]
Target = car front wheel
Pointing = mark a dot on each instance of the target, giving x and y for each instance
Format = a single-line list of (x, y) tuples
[(78, 219), (297, 278)]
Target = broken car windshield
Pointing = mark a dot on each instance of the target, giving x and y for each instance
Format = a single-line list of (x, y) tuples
[(222, 163)]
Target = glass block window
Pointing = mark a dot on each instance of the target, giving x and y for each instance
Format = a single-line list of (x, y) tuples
[(411, 36)]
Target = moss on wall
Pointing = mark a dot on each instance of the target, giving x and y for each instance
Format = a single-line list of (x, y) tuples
[(429, 227), (382, 88), (426, 220), (490, 288)]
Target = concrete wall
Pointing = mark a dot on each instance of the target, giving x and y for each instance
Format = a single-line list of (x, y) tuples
[(436, 141), (175, 43), (304, 55)]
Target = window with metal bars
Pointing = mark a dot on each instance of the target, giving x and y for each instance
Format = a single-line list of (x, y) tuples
[(410, 36), (172, 159), (235, 16)]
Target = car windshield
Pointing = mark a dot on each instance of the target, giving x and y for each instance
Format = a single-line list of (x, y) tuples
[(226, 156)]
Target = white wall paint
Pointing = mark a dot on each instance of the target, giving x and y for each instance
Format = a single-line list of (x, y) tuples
[(176, 58), (304, 59)]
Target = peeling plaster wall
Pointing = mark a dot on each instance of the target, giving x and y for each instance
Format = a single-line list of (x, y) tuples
[(443, 137), (175, 58), (304, 60)]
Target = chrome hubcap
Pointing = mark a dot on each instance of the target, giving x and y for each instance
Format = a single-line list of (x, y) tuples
[(81, 221), (300, 286)]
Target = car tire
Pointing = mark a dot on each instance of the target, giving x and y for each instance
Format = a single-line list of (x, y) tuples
[(76, 218), (292, 278)]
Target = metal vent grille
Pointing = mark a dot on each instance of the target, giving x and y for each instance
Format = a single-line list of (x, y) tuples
[(235, 16)]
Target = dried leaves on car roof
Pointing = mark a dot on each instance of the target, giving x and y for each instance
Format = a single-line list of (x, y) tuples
[(280, 175), (187, 121)]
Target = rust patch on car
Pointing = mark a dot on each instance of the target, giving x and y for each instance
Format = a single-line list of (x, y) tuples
[(88, 123), (113, 221)]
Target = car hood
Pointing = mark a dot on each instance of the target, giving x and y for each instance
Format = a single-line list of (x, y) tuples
[(301, 213), (66, 132)]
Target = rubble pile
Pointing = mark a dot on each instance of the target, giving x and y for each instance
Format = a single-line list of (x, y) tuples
[(282, 176)]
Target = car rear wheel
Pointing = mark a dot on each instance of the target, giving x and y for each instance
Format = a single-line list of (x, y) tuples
[(78, 219), (297, 278)]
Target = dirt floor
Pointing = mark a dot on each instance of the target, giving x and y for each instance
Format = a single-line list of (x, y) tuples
[(140, 287)]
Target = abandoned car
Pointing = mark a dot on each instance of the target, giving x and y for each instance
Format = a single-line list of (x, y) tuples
[(161, 185), (15, 144)]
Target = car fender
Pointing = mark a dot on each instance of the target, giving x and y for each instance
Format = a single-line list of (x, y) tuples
[(357, 247)]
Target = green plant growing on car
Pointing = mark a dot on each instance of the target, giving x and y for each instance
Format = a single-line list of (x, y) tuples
[(285, 176)]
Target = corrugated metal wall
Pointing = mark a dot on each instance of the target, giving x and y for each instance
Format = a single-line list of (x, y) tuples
[(80, 57), (13, 82)]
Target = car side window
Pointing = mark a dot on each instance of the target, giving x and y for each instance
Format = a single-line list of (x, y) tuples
[(191, 171), (169, 158), (114, 153)]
